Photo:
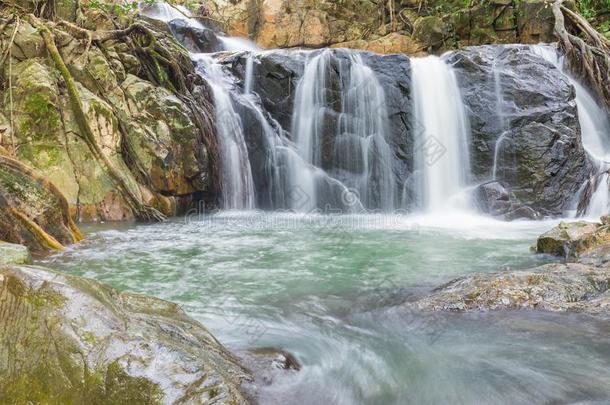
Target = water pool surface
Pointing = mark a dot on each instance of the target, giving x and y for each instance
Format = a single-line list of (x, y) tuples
[(329, 290)]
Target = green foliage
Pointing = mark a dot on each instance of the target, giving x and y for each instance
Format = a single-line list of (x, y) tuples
[(130, 7), (591, 8)]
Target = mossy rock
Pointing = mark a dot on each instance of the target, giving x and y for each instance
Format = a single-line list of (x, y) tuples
[(430, 32), (73, 341), (570, 239), (14, 254)]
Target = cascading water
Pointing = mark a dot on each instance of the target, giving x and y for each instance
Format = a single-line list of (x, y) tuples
[(237, 182), (361, 146), (362, 159), (595, 127), (501, 119), (441, 136)]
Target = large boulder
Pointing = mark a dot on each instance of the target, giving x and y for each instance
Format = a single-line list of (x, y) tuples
[(570, 287), (493, 199), (72, 340), (523, 105), (571, 239)]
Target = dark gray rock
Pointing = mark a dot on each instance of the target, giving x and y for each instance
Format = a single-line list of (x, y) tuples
[(198, 40), (276, 75), (541, 159), (493, 199)]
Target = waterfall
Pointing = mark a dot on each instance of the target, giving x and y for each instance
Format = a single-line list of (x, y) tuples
[(361, 146), (248, 82), (362, 159), (237, 183), (336, 154), (595, 127), (442, 132), (310, 108), (501, 118)]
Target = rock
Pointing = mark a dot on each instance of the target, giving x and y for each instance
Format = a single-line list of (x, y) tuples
[(388, 44), (436, 26), (14, 254), (536, 22), (492, 198), (196, 40), (74, 340), (572, 287), (541, 160), (487, 194), (268, 363), (570, 239), (430, 32), (32, 212), (157, 137)]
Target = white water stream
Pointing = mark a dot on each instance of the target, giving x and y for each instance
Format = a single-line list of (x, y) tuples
[(441, 137), (595, 129)]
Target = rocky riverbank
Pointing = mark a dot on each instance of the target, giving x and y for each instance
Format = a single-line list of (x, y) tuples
[(67, 339), (581, 285)]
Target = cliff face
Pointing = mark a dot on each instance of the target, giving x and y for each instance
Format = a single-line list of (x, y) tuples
[(407, 26), (113, 118)]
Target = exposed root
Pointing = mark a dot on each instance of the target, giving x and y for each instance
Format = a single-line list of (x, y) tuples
[(587, 52), (18, 166), (141, 210), (40, 234)]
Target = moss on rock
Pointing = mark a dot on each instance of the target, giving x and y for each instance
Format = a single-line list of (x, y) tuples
[(70, 340)]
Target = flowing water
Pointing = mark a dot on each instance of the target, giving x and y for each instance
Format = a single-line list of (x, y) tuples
[(595, 127), (330, 290), (334, 289), (442, 155), (237, 183)]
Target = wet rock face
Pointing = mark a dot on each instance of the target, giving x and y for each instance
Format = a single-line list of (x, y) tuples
[(74, 340), (198, 40), (540, 157), (276, 76), (571, 287)]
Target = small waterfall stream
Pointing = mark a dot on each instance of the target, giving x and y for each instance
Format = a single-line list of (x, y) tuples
[(595, 127), (501, 119), (237, 182), (441, 154)]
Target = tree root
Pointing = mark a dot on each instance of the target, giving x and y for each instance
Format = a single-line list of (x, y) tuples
[(40, 234), (18, 166), (587, 52), (141, 210)]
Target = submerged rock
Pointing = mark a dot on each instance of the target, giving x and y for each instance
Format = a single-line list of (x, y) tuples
[(572, 287), (570, 239), (68, 339), (267, 363)]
